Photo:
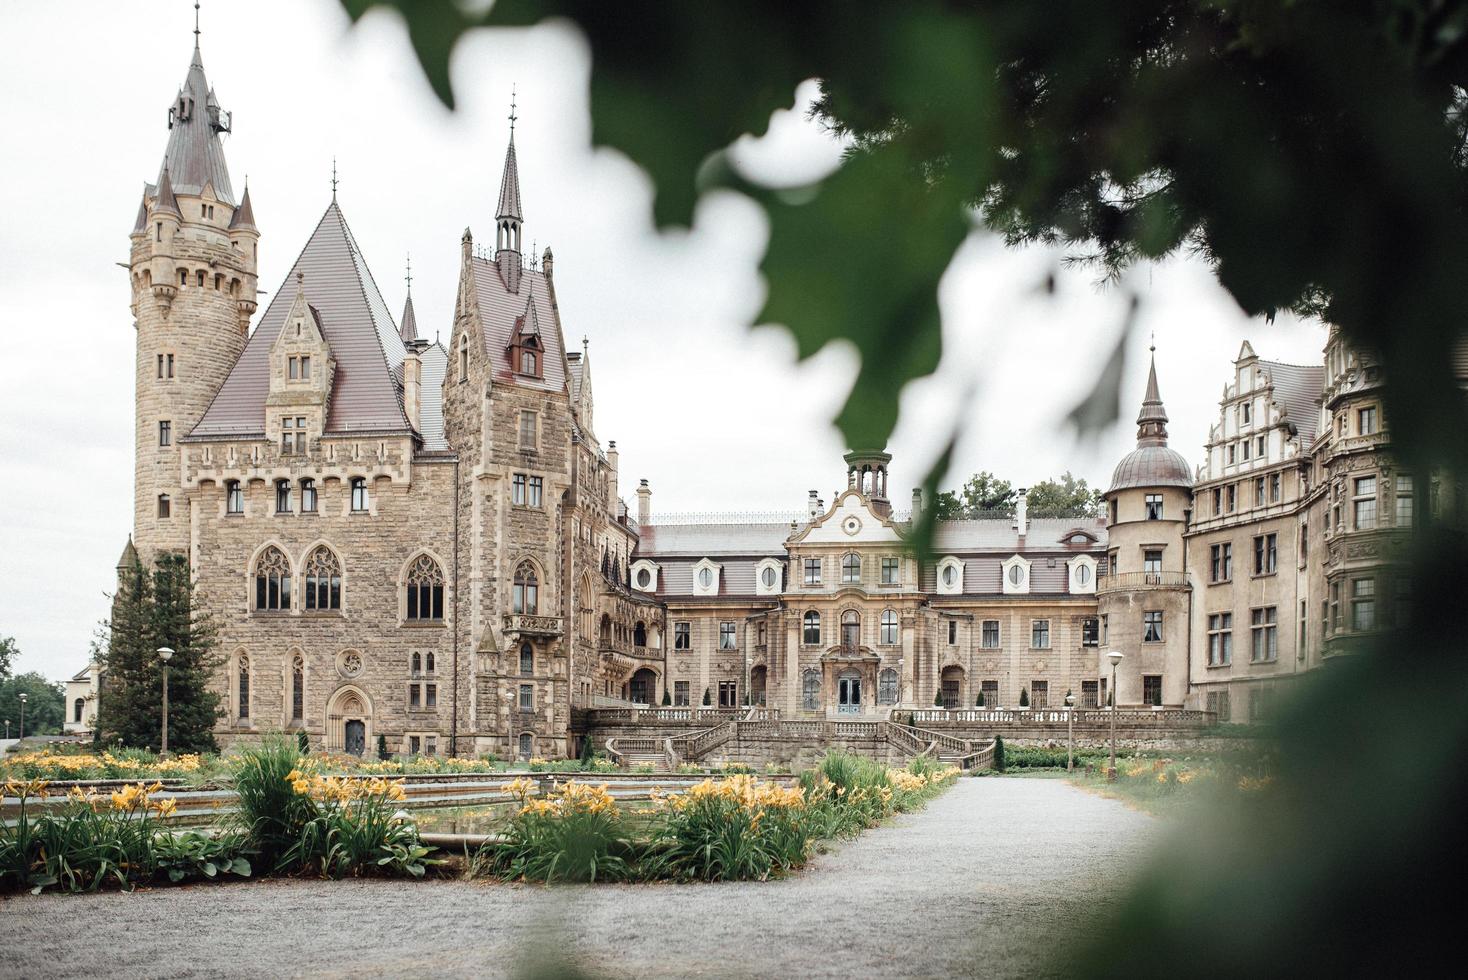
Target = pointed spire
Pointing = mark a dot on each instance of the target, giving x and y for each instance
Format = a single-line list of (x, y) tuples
[(333, 180), (244, 215), (195, 154), (140, 224), (129, 555), (1152, 419), (509, 206), (167, 201)]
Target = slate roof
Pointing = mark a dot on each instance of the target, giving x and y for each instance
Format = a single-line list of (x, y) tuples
[(656, 541), (500, 308), (195, 155), (509, 206), (1297, 389), (1000, 536), (430, 398), (408, 328), (364, 341), (244, 215)]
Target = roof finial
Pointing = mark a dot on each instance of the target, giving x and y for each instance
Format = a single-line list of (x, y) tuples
[(513, 117), (409, 276), (1153, 345), (196, 23), (333, 180)]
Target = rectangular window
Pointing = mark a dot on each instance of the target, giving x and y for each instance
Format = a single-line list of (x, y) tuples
[(1404, 501), (308, 496), (527, 430), (1152, 565), (1335, 606), (1231, 497), (415, 696), (292, 435), (1218, 705), (889, 571), (1220, 639), (430, 695), (527, 697), (234, 498), (1304, 616), (165, 506), (1220, 562), (1259, 500), (1263, 625), (1154, 506), (1244, 450), (812, 571), (294, 372), (414, 742), (165, 433), (1245, 413), (1039, 694), (1090, 632), (306, 367), (952, 632), (165, 367), (359, 494), (1363, 604), (1364, 502), (1089, 698), (517, 492), (682, 636), (1232, 454), (282, 496), (990, 640), (726, 636), (1217, 501), (1266, 554), (537, 484), (1152, 689), (1366, 421), (1152, 626), (680, 694), (1274, 488), (991, 693), (728, 694), (1040, 634)]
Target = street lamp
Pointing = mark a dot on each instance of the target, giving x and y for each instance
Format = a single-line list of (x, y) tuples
[(1070, 732), (7, 729), (164, 653), (1115, 657), (23, 697)]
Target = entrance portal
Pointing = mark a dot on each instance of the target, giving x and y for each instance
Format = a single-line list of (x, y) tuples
[(643, 686), (848, 693), (356, 737)]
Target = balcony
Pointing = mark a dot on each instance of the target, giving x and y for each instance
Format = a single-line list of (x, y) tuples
[(1140, 581), (532, 625)]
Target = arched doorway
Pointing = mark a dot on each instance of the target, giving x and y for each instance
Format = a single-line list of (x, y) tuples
[(848, 692), (951, 681), (643, 687), (757, 686), (349, 721), (356, 737)]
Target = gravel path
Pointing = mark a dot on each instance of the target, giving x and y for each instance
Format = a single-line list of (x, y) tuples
[(954, 889)]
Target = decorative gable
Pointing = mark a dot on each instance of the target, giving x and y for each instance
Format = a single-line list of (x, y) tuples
[(301, 373), (527, 346), (950, 576), (1082, 576), (850, 520), (645, 575), (1016, 575), (706, 577)]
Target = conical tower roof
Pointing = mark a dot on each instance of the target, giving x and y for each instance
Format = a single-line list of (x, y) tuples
[(509, 206), (195, 153), (244, 215), (408, 326)]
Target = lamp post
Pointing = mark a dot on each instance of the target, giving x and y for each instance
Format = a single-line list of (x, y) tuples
[(23, 697), (7, 729), (164, 653), (1115, 657), (1070, 732)]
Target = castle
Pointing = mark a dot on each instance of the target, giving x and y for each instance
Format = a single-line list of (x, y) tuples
[(427, 544)]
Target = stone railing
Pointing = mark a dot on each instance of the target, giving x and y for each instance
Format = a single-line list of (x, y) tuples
[(945, 743), (687, 748), (648, 715), (905, 739), (620, 748), (532, 625), (1084, 717), (1137, 581), (981, 759)]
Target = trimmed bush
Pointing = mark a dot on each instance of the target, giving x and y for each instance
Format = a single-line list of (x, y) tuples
[(999, 761)]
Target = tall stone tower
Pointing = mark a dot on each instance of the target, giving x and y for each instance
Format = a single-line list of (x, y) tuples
[(193, 271)]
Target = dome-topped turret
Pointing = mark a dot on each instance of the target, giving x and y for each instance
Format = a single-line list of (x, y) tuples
[(1152, 463)]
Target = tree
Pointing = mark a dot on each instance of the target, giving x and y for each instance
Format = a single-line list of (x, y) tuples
[(151, 609), (8, 653), (1065, 497), (708, 697), (984, 494), (45, 708)]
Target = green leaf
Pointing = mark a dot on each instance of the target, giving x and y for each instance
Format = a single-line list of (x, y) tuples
[(210, 869)]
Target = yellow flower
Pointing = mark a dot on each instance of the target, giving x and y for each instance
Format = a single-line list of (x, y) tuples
[(27, 787), (164, 808)]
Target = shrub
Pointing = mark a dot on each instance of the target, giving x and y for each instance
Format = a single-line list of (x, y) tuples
[(1024, 697), (382, 754), (730, 829), (999, 761), (708, 697), (303, 742), (938, 699), (355, 827), (574, 834), (269, 811), (979, 701), (667, 699)]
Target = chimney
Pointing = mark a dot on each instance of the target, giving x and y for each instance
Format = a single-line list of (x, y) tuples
[(644, 504), (917, 503), (1021, 512), (412, 387), (813, 506), (612, 457)]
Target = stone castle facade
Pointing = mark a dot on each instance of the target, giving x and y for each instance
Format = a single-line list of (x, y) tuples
[(426, 544)]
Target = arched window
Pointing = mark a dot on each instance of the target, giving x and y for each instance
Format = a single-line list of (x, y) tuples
[(889, 627), (851, 568), (639, 635), (810, 689), (428, 662), (527, 745), (76, 709), (527, 362), (323, 580), (425, 589), (272, 581), (887, 686), (811, 635), (526, 597), (527, 659), (244, 687), (298, 688), (415, 663), (851, 629)]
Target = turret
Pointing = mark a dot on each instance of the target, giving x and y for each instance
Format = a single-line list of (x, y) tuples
[(866, 471), (508, 219)]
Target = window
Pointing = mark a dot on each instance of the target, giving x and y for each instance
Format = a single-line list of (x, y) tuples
[(308, 496), (292, 435), (1217, 501), (887, 686), (165, 366), (769, 576), (415, 664), (1335, 606), (517, 493), (359, 494), (811, 635), (1152, 565), (525, 597), (1154, 506), (1259, 500), (527, 745), (527, 697), (1016, 575), (1304, 614), (323, 581), (414, 742), (810, 689), (1266, 554), (812, 571), (851, 629), (990, 635), (77, 707), (527, 430), (682, 636), (1304, 543), (951, 573), (282, 496), (728, 694), (706, 578), (1274, 488), (1115, 507), (1263, 625), (1040, 634), (1220, 562), (1259, 447), (165, 433), (1364, 502), (165, 506), (527, 659), (428, 662), (1090, 632), (1404, 501), (234, 498), (726, 636), (1244, 450), (889, 628), (1366, 421), (199, 278), (537, 484), (1363, 604), (1152, 689), (298, 689), (644, 578), (680, 694), (1082, 575), (463, 359), (1218, 705), (990, 691), (1232, 453), (425, 590), (1261, 704), (1039, 694), (272, 581), (851, 568), (1231, 497), (639, 634), (952, 632), (527, 362), (1088, 695), (889, 571), (1220, 639), (244, 688), (1152, 626)]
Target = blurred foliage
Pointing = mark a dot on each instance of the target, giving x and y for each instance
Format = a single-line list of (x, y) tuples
[(1312, 152), (985, 495), (45, 708)]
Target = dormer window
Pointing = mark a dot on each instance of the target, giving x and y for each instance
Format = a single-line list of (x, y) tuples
[(300, 368), (529, 363), (526, 347)]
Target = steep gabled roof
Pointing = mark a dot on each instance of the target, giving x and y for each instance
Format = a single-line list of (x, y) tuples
[(195, 154), (1297, 390), (500, 312), (356, 323)]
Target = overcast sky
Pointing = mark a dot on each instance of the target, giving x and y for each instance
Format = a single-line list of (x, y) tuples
[(716, 416)]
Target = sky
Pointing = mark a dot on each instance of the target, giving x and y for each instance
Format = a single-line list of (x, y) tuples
[(717, 416)]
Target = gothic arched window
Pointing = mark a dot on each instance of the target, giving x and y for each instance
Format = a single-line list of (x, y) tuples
[(812, 631), (298, 688), (527, 362), (526, 597), (415, 663), (243, 690), (272, 581), (323, 580), (425, 589)]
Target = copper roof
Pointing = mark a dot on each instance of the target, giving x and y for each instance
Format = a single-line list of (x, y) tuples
[(1297, 391), (363, 338), (195, 155)]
